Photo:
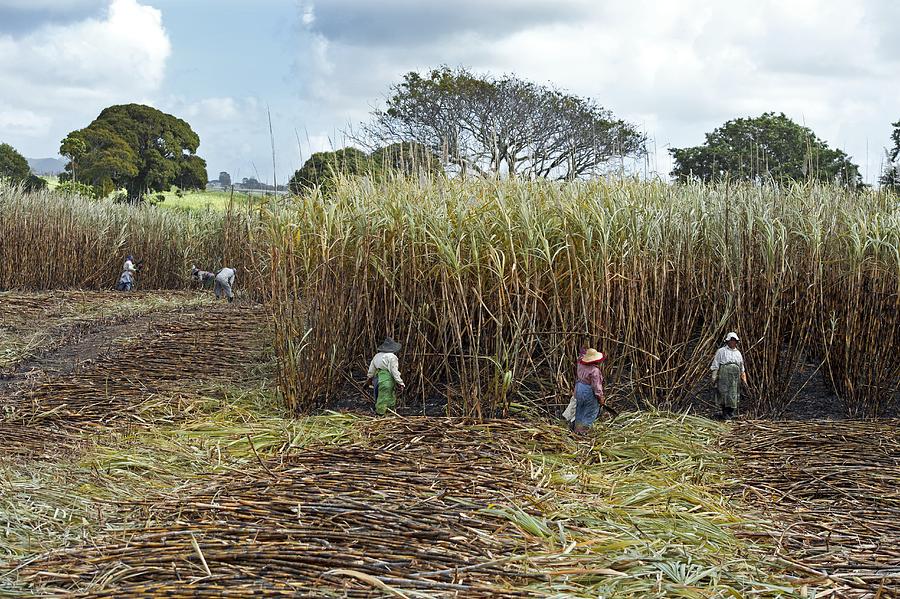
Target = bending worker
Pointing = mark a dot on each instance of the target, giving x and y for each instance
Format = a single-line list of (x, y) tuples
[(728, 373), (384, 373), (201, 276), (224, 283)]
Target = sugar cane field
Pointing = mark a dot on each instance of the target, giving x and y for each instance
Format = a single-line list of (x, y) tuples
[(163, 443)]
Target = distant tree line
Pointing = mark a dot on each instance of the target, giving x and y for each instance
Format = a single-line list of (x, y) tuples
[(483, 125), (457, 122)]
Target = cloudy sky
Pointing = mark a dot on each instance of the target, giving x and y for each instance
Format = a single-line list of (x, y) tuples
[(674, 68)]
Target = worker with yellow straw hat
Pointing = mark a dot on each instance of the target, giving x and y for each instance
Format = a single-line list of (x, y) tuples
[(589, 394)]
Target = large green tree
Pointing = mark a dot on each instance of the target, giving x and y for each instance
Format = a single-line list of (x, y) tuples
[(14, 167), (321, 169), (891, 176), (768, 147), (135, 147)]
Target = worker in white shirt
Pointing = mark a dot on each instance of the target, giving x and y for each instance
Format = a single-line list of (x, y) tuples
[(126, 279), (224, 283), (728, 373), (384, 373)]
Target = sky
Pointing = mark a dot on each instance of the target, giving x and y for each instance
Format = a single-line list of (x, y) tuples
[(317, 68)]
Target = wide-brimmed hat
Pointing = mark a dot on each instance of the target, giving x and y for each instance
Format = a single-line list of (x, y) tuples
[(592, 356), (730, 336), (389, 346)]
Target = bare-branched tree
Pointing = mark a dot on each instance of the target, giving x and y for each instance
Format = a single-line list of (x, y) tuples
[(481, 124)]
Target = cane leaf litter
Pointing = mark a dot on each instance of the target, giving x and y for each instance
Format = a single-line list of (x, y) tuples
[(149, 447)]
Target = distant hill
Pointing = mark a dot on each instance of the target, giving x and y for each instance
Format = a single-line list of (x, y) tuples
[(47, 166)]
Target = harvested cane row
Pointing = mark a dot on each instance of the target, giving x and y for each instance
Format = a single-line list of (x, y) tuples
[(31, 310), (834, 489), (33, 326), (164, 365), (355, 521)]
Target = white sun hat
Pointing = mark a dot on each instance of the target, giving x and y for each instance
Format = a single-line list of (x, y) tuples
[(730, 336)]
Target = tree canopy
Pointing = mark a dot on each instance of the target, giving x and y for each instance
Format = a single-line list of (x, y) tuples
[(14, 167), (12, 164), (891, 176), (136, 147), (402, 158), (192, 174), (321, 168), (484, 124), (770, 146)]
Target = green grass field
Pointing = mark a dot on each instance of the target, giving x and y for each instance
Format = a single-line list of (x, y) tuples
[(193, 201)]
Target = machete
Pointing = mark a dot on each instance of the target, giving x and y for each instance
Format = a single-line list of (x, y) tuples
[(612, 411)]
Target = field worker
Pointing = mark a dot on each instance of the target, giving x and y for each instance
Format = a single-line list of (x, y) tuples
[(224, 283), (201, 276), (727, 374), (589, 394), (384, 373), (126, 279), (569, 412)]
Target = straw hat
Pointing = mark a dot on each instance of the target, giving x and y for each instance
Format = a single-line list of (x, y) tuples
[(592, 356), (389, 346), (730, 336)]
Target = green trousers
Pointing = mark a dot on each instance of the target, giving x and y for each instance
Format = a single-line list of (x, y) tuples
[(729, 385), (385, 392)]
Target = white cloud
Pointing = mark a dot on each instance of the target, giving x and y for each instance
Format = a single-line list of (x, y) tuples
[(59, 76), (217, 110)]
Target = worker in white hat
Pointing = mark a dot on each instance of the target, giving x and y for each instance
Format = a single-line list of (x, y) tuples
[(728, 373)]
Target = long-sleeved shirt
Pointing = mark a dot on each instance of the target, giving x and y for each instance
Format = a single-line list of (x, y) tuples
[(726, 355), (389, 362), (129, 266), (226, 275), (590, 375)]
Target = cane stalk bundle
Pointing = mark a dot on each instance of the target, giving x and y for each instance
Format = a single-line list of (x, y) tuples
[(51, 241), (492, 286)]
